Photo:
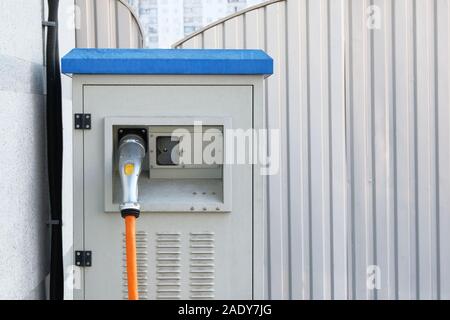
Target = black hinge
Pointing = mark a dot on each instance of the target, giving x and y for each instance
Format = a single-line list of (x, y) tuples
[(82, 121), (83, 258)]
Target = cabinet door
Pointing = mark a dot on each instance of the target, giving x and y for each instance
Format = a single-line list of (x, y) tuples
[(180, 255)]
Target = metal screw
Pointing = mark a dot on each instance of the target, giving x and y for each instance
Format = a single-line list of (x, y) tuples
[(194, 193), (218, 209), (78, 253), (77, 116), (88, 116), (87, 127), (192, 208), (204, 193), (78, 126), (204, 209)]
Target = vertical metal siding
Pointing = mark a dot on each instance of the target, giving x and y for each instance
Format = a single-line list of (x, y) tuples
[(107, 24), (365, 144)]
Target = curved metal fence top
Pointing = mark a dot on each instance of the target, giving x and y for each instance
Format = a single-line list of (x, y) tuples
[(223, 20)]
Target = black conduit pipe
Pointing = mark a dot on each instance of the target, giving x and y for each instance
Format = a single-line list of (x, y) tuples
[(54, 151)]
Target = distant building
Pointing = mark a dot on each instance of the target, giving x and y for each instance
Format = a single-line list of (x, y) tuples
[(193, 15), (170, 22), (147, 11), (236, 5), (166, 21)]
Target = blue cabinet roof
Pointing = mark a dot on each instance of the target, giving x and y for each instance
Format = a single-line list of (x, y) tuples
[(167, 62)]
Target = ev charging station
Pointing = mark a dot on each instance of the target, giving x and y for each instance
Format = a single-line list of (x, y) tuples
[(153, 140)]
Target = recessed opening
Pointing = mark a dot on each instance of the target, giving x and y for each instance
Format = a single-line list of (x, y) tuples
[(169, 183), (167, 151)]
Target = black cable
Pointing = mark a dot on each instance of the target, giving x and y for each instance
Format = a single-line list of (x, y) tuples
[(54, 152)]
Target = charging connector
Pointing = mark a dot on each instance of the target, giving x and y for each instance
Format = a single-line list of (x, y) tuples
[(132, 149), (131, 155)]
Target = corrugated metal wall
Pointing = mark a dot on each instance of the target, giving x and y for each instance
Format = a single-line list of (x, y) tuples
[(363, 106), (107, 24)]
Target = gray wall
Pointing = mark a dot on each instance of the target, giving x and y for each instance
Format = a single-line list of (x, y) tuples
[(23, 181), (364, 114)]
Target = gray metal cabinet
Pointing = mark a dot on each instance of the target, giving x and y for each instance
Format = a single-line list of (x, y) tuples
[(200, 234)]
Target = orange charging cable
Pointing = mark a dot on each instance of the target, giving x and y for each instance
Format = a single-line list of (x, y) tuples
[(130, 234)]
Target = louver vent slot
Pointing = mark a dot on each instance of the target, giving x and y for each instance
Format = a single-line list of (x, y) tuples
[(202, 267), (168, 265), (142, 265)]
